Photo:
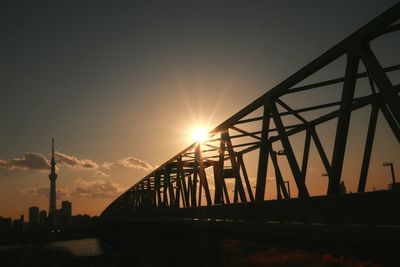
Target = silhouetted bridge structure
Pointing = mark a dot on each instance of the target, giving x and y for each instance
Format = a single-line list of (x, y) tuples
[(208, 185)]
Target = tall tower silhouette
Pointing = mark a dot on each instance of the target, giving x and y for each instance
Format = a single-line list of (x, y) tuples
[(52, 177)]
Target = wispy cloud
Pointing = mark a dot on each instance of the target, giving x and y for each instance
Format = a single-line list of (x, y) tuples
[(82, 189), (45, 192), (131, 162), (101, 174), (30, 161), (37, 161), (74, 162), (128, 162), (96, 189)]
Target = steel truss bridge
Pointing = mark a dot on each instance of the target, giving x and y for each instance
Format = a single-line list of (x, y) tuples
[(208, 184)]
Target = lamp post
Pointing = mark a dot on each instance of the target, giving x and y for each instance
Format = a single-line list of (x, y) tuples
[(390, 164), (280, 152)]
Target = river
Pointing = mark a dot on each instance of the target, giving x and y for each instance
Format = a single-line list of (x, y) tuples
[(77, 247)]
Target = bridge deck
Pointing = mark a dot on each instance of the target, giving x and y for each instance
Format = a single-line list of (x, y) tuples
[(371, 208)]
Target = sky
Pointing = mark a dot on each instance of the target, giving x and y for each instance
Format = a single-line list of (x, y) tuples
[(120, 84)]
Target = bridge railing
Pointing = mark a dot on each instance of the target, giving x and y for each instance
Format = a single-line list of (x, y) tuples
[(215, 171)]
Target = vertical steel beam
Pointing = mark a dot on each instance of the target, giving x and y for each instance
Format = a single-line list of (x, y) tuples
[(245, 176), (368, 148), (148, 191), (169, 187), (184, 188), (134, 197), (235, 193), (343, 123), (202, 175), (235, 168), (216, 173), (303, 192), (178, 185), (137, 197), (263, 157), (200, 190), (280, 185), (142, 196), (306, 152), (190, 188), (219, 179), (224, 190), (165, 189), (154, 194), (184, 192), (194, 182), (157, 183), (278, 175), (226, 193)]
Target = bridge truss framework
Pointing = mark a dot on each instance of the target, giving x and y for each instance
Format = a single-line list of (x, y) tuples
[(184, 181)]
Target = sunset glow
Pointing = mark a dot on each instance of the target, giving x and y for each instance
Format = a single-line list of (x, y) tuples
[(153, 79), (199, 135)]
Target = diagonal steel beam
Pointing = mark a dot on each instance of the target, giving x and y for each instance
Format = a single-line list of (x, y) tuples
[(343, 123), (303, 192), (380, 78), (368, 148), (263, 157), (235, 167)]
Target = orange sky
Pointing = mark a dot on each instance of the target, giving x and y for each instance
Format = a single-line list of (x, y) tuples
[(121, 87)]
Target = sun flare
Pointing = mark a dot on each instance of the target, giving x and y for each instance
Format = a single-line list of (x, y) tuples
[(199, 135)]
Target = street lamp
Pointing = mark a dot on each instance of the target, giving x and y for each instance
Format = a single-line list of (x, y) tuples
[(390, 164), (280, 152)]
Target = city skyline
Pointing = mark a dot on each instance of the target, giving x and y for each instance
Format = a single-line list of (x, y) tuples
[(106, 83)]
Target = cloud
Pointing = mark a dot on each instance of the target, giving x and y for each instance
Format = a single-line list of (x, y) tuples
[(30, 161), (45, 192), (37, 161), (74, 162), (82, 189), (96, 189), (132, 162), (101, 174)]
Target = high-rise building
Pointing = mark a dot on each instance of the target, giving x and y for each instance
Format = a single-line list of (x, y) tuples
[(66, 213), (34, 215), (52, 177), (66, 207), (43, 217)]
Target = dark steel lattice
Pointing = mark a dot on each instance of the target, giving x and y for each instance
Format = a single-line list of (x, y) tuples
[(183, 181)]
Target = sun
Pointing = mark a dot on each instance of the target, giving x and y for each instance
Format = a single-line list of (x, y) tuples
[(199, 134)]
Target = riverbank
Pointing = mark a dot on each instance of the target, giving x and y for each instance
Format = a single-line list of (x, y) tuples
[(89, 252), (28, 238)]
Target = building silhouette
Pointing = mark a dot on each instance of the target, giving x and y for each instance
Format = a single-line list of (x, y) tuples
[(34, 215), (52, 177), (66, 207), (64, 215), (5, 226), (19, 225), (43, 217)]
